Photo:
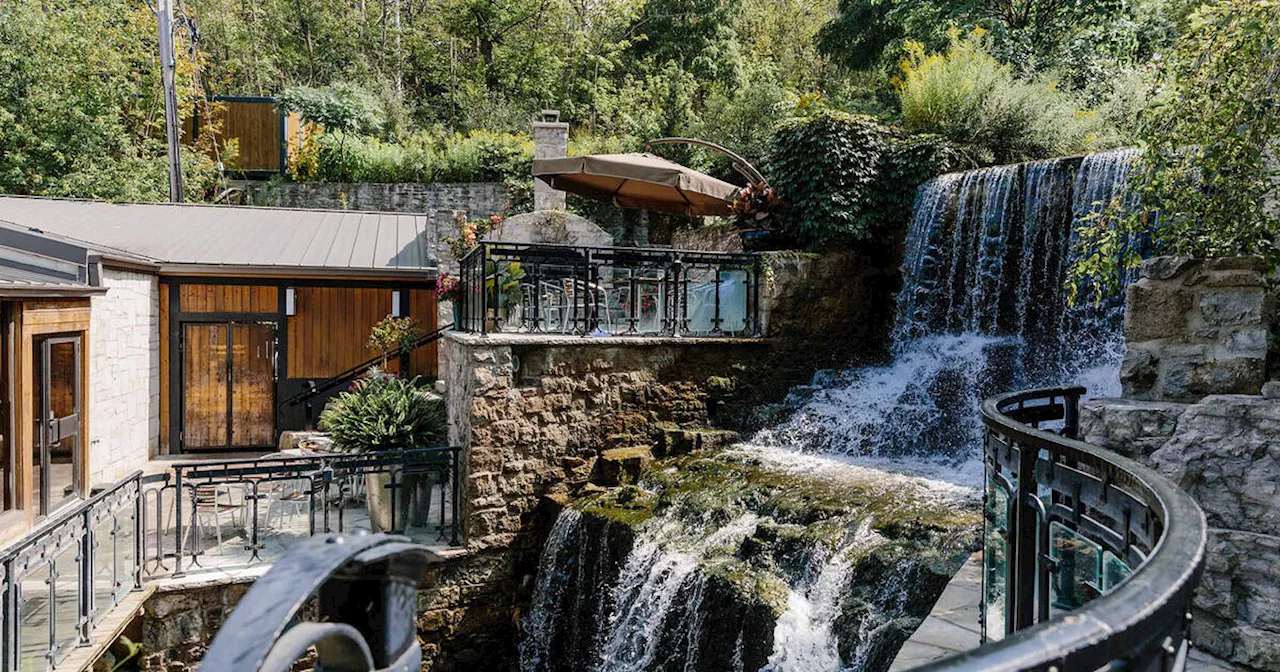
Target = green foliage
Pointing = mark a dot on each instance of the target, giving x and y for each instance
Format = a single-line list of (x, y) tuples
[(1206, 179), (845, 176), (1210, 169), (382, 412), (480, 156), (393, 332), (342, 107), (967, 96), (80, 110)]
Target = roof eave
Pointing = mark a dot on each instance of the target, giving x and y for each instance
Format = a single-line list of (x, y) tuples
[(269, 271)]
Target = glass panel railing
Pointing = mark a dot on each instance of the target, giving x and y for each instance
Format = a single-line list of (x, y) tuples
[(1078, 568), (995, 561)]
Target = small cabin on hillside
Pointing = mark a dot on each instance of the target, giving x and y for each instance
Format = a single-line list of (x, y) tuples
[(138, 330)]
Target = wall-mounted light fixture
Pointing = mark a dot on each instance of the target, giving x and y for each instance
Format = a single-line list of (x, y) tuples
[(290, 301), (397, 308)]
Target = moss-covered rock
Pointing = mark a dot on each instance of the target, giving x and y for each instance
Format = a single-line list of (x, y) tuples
[(730, 540)]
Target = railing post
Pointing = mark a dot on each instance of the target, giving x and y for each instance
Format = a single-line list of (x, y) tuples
[(754, 297), (139, 538), (715, 319), (455, 505), (177, 523), (484, 289), (9, 621), (680, 297), (1024, 542), (1071, 415), (85, 578)]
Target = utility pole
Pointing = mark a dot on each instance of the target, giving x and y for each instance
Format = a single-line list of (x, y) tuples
[(168, 66)]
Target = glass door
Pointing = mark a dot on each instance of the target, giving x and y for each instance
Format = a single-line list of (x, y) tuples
[(56, 458)]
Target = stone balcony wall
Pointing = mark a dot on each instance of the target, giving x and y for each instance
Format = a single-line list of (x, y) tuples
[(1195, 327), (1198, 334)]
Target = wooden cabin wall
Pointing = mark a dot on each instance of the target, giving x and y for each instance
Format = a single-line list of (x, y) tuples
[(326, 335), (30, 320)]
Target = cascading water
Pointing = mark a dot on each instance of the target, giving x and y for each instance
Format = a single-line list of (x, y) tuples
[(981, 309)]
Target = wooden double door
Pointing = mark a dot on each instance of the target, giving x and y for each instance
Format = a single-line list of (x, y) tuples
[(228, 385)]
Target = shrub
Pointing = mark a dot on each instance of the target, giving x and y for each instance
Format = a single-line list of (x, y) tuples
[(970, 98), (480, 156), (845, 176), (382, 412), (341, 107)]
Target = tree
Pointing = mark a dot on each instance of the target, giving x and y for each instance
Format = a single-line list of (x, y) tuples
[(1206, 182)]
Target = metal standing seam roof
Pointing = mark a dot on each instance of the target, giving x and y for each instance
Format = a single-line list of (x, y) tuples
[(221, 235)]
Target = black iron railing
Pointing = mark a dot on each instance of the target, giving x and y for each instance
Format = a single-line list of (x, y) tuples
[(62, 579), (1090, 558), (188, 513), (561, 289), (317, 389)]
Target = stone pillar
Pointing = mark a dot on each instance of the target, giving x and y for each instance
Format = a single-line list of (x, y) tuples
[(1195, 327), (550, 140)]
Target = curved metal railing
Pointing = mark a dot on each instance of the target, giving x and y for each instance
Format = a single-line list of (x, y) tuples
[(1090, 557)]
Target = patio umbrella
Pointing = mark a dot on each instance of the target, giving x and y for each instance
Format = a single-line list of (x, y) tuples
[(638, 180)]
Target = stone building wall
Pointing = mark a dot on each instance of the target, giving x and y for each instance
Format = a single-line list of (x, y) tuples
[(1197, 336), (124, 375), (478, 199)]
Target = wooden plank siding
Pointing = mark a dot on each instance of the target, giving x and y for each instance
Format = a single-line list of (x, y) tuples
[(329, 332), (326, 336), (422, 307), (227, 299)]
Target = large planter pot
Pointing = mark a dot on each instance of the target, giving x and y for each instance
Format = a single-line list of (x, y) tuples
[(412, 501)]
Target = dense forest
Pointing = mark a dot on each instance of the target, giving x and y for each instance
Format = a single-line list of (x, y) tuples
[(445, 89)]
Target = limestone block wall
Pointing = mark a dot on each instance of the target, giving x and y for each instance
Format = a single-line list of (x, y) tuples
[(478, 199), (124, 375), (1195, 327), (1198, 334), (1225, 451), (536, 414)]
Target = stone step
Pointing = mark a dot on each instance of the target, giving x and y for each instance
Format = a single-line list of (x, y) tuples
[(622, 466), (681, 441)]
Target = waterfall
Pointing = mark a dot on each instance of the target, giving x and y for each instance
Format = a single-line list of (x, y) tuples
[(982, 309)]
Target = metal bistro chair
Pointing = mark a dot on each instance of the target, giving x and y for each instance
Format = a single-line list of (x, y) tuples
[(214, 501)]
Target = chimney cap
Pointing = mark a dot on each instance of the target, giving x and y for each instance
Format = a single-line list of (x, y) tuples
[(551, 116)]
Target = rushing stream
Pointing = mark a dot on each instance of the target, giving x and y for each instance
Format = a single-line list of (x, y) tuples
[(820, 544)]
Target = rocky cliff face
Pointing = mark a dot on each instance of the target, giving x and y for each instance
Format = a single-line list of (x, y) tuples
[(745, 560), (1225, 451)]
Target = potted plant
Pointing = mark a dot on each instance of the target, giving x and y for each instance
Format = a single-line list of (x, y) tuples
[(391, 333), (503, 283), (383, 412), (751, 209), (449, 289)]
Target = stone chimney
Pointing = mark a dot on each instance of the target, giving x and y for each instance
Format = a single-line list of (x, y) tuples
[(550, 140)]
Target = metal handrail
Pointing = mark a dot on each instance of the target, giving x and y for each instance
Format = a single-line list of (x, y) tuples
[(594, 272), (73, 529), (1143, 621)]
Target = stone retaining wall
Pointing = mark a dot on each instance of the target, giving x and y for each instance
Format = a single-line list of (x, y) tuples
[(477, 199), (1195, 327), (1197, 338)]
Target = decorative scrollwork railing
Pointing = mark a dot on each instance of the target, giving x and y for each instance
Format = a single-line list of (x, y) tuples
[(1090, 558), (57, 583), (365, 590)]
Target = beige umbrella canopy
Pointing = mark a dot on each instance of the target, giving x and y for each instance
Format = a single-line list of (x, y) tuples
[(641, 181)]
